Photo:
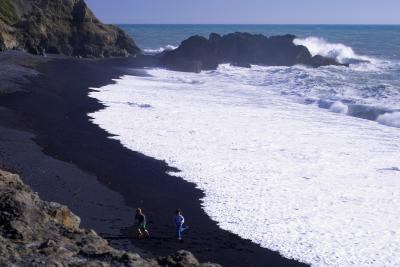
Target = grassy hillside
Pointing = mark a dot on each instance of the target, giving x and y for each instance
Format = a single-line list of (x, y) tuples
[(7, 12)]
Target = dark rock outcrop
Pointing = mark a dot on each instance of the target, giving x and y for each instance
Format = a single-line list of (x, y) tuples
[(240, 49), (38, 233), (60, 27), (182, 258)]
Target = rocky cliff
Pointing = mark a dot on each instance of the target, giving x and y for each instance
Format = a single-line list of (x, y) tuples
[(241, 49), (60, 27), (38, 233)]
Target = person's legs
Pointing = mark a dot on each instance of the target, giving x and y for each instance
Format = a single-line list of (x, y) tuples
[(139, 232), (146, 231), (143, 230), (178, 231)]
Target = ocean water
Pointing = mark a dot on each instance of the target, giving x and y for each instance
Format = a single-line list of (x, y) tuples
[(299, 160)]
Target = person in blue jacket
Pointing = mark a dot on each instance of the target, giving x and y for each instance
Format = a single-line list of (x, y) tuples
[(179, 222)]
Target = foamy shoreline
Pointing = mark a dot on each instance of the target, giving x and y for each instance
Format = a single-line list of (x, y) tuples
[(253, 151)]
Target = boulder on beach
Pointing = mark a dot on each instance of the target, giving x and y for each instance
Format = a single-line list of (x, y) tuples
[(239, 49), (60, 27)]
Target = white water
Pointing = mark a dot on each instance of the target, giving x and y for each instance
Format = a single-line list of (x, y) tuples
[(339, 107), (160, 50), (390, 119), (341, 52), (316, 186)]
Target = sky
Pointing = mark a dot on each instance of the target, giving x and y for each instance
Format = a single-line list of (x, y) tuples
[(247, 11)]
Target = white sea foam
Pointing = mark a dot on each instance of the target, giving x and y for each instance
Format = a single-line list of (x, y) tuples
[(341, 52), (329, 83), (160, 50), (339, 107), (306, 182), (390, 119)]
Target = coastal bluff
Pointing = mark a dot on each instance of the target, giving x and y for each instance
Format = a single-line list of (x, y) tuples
[(34, 232), (198, 53), (65, 27)]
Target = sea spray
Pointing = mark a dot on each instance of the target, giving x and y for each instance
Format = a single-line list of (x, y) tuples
[(340, 52)]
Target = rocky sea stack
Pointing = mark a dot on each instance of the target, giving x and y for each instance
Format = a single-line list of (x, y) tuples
[(240, 49), (38, 233), (60, 27)]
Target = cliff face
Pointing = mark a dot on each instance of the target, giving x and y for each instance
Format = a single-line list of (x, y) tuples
[(38, 233), (60, 27)]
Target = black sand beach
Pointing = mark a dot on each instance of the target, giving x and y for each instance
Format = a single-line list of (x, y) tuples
[(76, 155)]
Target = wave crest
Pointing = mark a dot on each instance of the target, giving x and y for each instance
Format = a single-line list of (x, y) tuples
[(338, 51), (339, 107), (390, 119), (160, 50)]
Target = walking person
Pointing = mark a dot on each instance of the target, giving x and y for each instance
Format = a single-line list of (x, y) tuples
[(140, 220), (179, 222)]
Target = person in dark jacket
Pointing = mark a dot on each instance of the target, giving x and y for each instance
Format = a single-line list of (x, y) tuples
[(179, 222), (140, 220)]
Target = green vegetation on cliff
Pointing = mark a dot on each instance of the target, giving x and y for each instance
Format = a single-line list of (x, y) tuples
[(7, 12)]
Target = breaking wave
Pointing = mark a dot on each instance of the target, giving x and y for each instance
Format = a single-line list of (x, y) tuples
[(390, 119), (160, 50), (339, 107), (338, 51)]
